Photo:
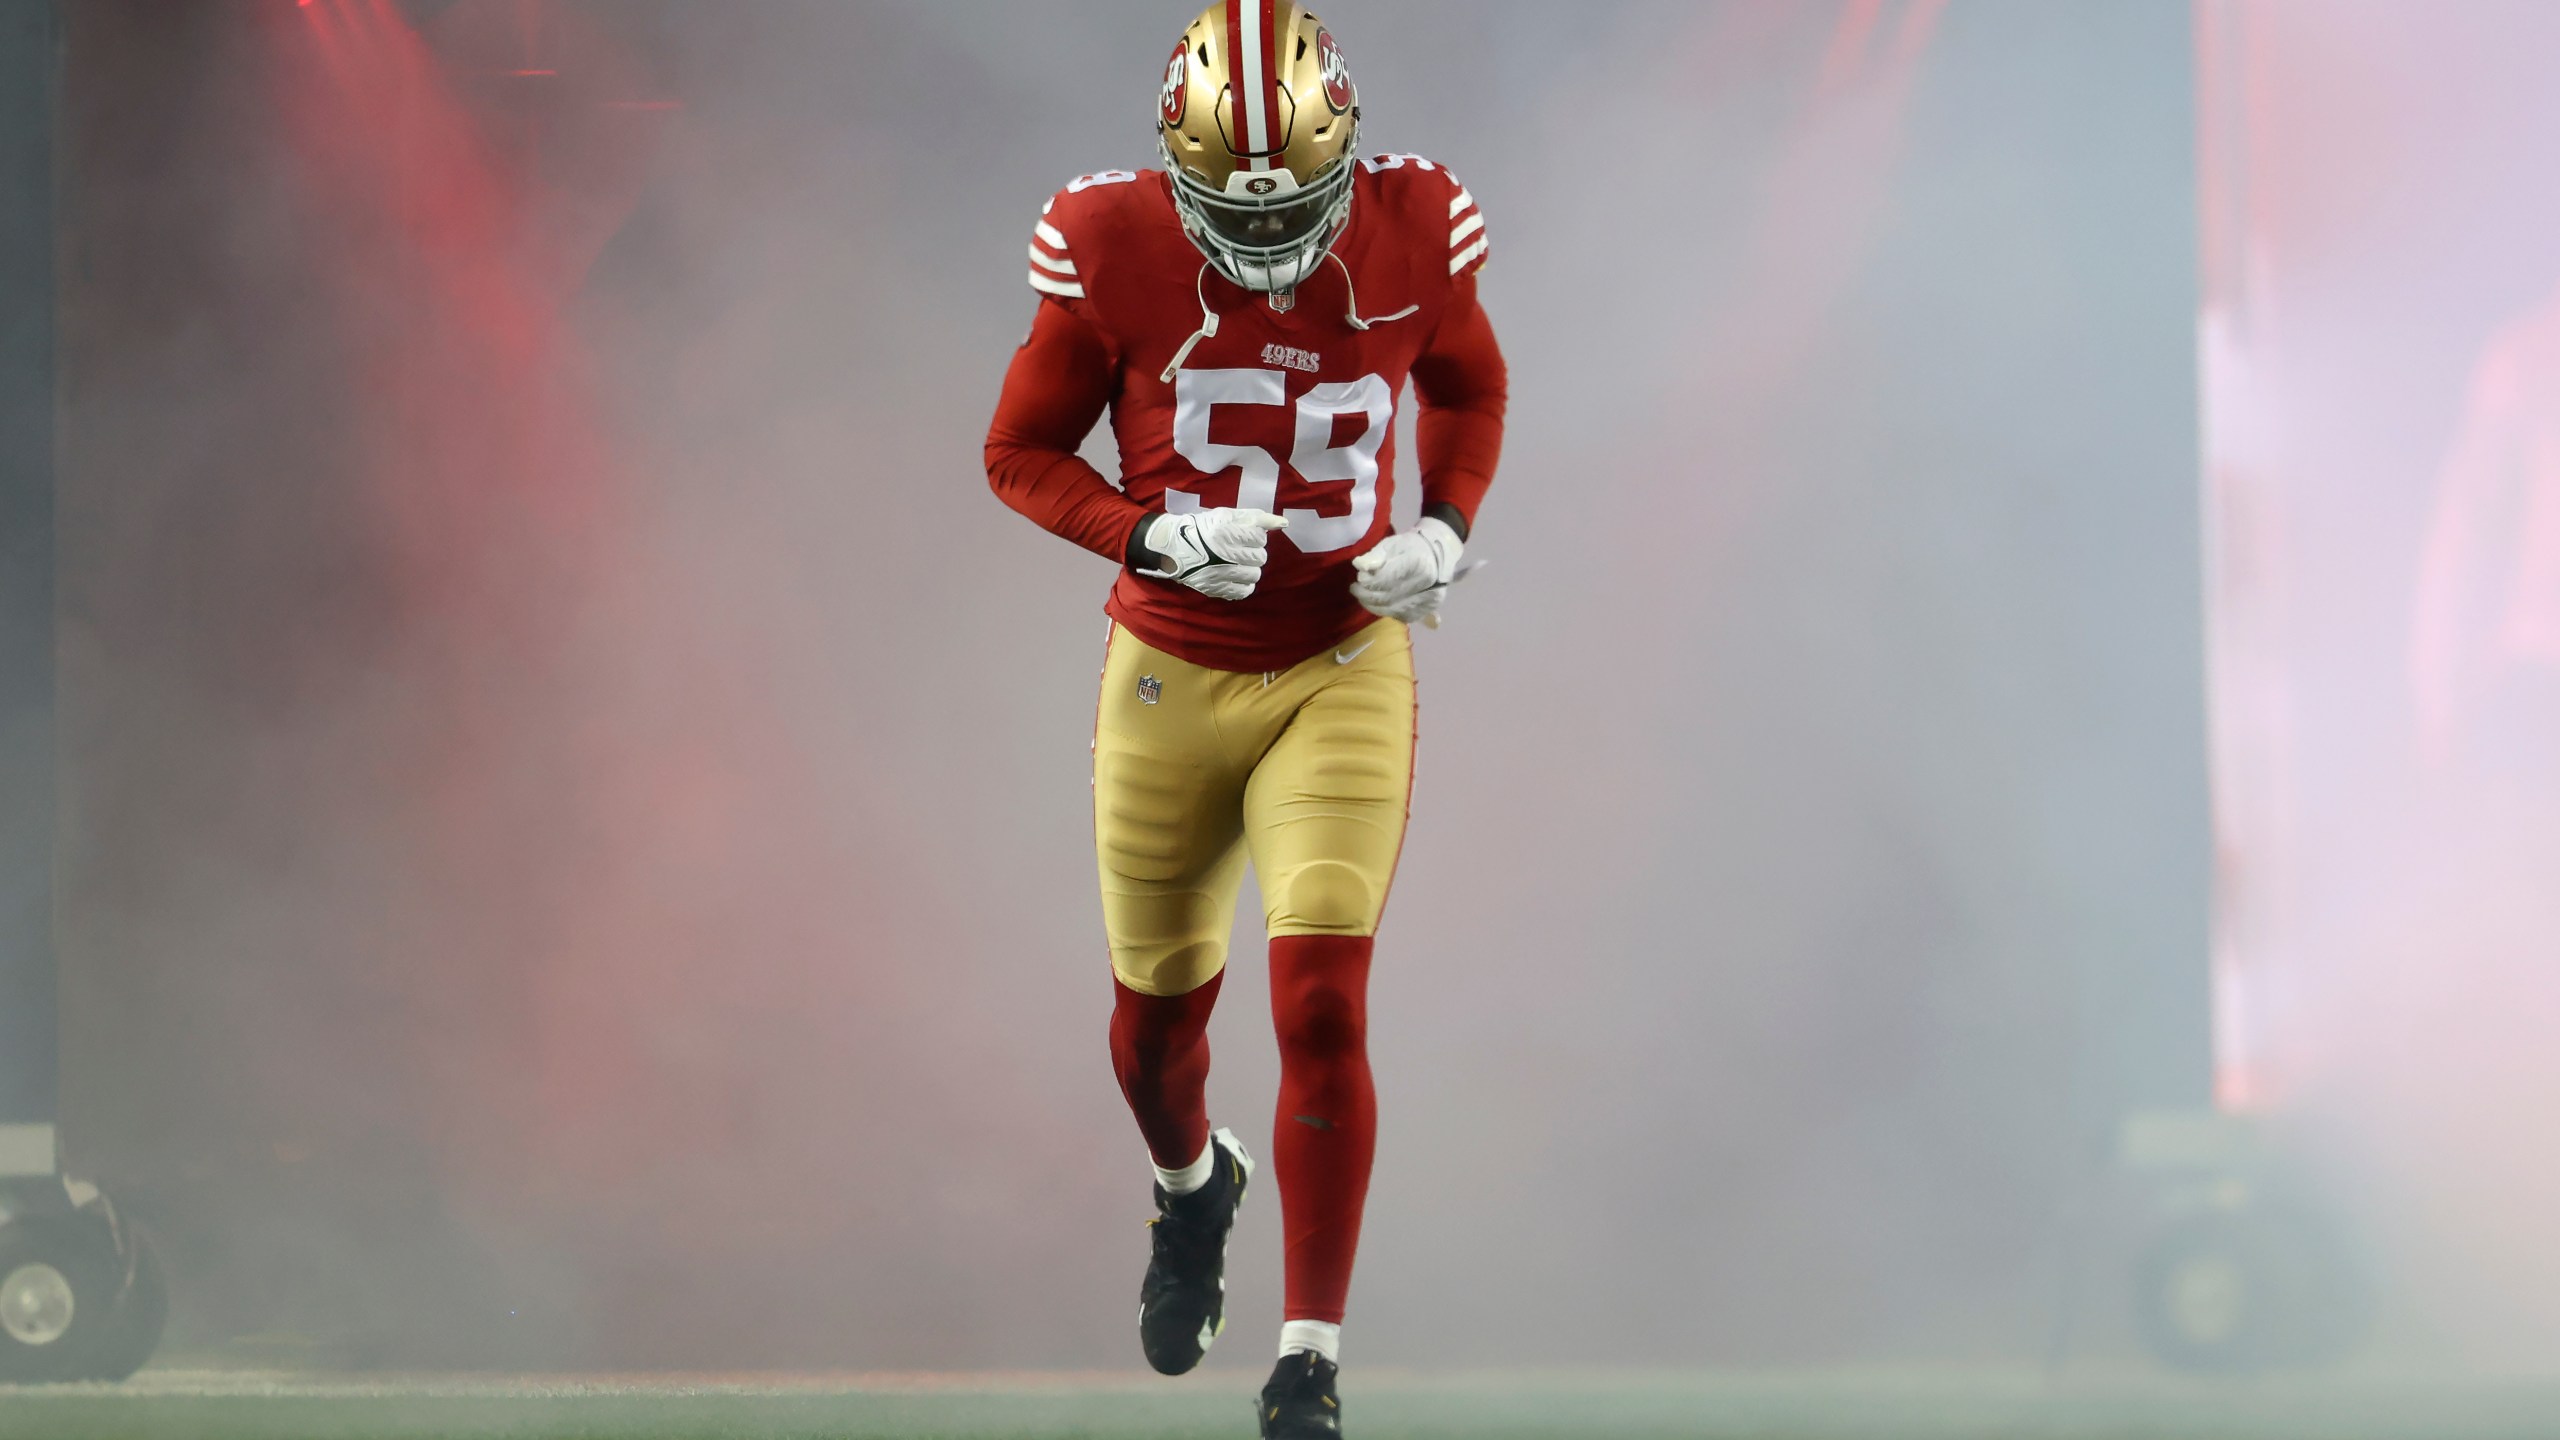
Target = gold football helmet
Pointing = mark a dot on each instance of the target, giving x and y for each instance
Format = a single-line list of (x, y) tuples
[(1259, 124)]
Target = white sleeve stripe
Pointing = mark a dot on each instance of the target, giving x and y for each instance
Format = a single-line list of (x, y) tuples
[(1063, 267), (1466, 227), (1459, 261), (1049, 236), (1068, 288), (1459, 205)]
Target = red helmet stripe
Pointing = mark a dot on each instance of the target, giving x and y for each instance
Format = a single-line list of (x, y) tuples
[(1249, 26), (1235, 73)]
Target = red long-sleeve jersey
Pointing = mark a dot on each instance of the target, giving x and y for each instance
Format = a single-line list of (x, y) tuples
[(1291, 411)]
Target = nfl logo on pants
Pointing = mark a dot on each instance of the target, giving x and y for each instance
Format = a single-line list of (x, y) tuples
[(1150, 689)]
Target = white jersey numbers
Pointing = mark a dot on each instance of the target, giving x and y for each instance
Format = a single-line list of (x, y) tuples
[(1195, 394), (1313, 454), (1318, 460)]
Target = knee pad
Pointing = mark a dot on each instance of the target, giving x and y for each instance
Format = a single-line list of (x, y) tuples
[(1170, 969), (1326, 897)]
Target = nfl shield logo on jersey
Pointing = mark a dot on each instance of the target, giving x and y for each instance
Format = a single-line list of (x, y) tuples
[(1150, 689)]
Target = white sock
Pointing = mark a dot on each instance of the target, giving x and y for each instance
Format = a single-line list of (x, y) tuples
[(1323, 1338), (1192, 1176)]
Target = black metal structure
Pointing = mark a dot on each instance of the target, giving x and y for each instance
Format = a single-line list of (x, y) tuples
[(28, 47), (81, 1296)]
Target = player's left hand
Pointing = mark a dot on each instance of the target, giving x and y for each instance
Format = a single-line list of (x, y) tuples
[(1405, 576)]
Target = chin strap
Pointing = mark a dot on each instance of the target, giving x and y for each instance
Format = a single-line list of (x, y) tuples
[(1209, 318), (1208, 324), (1351, 300)]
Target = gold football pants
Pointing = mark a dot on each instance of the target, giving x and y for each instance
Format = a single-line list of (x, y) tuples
[(1308, 770)]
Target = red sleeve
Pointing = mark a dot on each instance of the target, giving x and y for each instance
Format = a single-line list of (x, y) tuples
[(1462, 385), (1055, 390)]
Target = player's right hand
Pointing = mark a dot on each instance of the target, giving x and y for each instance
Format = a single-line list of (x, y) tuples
[(1219, 553)]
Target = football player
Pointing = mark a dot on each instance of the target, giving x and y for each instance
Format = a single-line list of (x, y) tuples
[(1249, 314)]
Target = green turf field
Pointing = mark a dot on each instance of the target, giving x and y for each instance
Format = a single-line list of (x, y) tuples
[(208, 1405)]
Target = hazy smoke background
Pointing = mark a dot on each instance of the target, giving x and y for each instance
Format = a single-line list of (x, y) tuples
[(2383, 368), (579, 845)]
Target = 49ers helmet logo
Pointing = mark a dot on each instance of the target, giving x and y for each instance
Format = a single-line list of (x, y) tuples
[(1177, 88), (1337, 73)]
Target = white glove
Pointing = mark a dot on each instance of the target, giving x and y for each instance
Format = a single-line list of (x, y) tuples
[(1405, 576), (1219, 553)]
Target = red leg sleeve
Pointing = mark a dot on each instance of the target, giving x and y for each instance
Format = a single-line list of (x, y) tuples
[(1326, 1131), (1160, 1050)]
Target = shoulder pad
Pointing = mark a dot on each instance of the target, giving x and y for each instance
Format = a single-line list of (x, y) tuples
[(1468, 244), (1053, 263)]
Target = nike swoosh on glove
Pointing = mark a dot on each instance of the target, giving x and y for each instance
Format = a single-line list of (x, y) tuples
[(1405, 576), (1219, 553)]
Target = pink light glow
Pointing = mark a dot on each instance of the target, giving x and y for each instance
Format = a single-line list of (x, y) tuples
[(2380, 343)]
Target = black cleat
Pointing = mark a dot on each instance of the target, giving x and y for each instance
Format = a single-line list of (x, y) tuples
[(1183, 1304), (1299, 1403)]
